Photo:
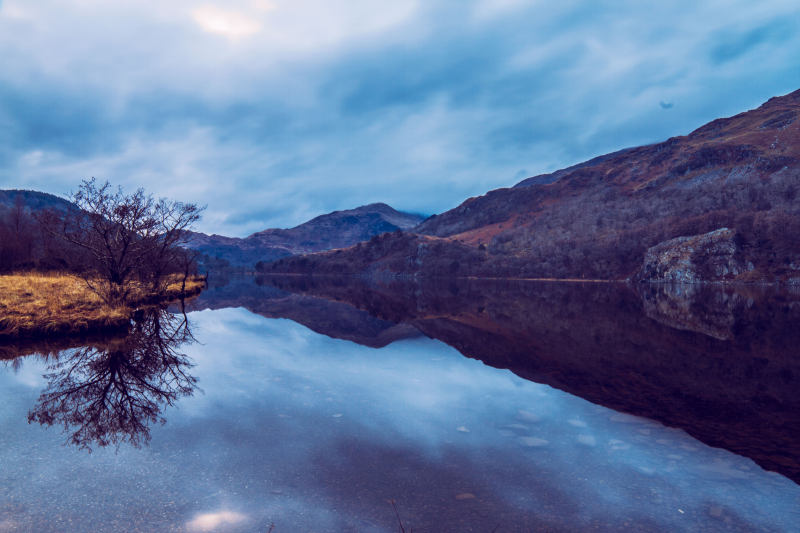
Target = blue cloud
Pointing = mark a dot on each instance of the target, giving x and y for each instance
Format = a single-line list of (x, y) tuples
[(734, 44), (421, 113)]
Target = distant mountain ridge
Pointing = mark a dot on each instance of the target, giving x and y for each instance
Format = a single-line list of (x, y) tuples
[(31, 200), (338, 229), (731, 185), (719, 204)]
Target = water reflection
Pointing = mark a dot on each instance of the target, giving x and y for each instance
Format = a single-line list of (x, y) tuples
[(316, 434), (112, 392), (331, 318), (720, 363), (324, 432)]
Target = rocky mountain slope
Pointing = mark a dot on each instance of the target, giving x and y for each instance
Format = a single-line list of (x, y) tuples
[(333, 230), (598, 219)]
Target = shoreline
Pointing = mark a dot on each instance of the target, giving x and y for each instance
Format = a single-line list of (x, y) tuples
[(38, 306), (406, 277)]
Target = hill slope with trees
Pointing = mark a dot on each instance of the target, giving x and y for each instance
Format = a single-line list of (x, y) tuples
[(338, 229), (737, 176)]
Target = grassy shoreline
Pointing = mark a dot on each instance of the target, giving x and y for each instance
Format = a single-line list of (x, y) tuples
[(39, 305)]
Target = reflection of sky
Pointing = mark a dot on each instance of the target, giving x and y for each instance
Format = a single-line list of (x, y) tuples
[(313, 433)]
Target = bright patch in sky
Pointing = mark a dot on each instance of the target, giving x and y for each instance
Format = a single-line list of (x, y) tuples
[(231, 24)]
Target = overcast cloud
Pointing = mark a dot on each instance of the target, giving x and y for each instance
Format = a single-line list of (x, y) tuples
[(274, 111)]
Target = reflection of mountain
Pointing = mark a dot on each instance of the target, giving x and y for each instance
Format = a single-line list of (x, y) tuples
[(334, 319), (719, 364), (112, 391), (694, 307)]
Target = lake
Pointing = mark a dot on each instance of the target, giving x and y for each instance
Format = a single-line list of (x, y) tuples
[(290, 404)]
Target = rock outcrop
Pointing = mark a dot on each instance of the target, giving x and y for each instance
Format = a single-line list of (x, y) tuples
[(712, 256)]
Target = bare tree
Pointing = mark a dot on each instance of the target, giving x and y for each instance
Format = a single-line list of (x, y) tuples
[(126, 237), (164, 252)]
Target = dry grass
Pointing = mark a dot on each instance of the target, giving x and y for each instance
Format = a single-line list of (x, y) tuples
[(39, 304)]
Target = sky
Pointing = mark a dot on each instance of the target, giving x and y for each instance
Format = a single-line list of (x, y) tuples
[(270, 112)]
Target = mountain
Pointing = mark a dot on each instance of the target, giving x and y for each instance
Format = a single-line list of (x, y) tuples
[(20, 235), (31, 201), (333, 230), (718, 204)]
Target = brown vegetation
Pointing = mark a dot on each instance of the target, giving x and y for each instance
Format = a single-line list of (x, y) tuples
[(88, 262), (125, 240), (56, 304)]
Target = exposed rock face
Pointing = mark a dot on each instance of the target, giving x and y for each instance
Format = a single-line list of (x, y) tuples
[(712, 256)]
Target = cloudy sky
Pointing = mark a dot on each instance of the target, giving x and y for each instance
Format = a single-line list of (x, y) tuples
[(274, 111)]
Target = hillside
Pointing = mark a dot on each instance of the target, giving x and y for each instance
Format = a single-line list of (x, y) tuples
[(333, 230), (31, 201), (730, 186), (23, 244)]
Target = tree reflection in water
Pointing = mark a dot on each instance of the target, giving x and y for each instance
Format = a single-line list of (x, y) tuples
[(112, 393)]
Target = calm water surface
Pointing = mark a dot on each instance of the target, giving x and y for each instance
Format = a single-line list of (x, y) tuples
[(273, 423)]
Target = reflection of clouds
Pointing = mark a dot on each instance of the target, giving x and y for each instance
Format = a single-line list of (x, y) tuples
[(400, 390), (264, 444), (27, 375), (419, 397), (212, 521)]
